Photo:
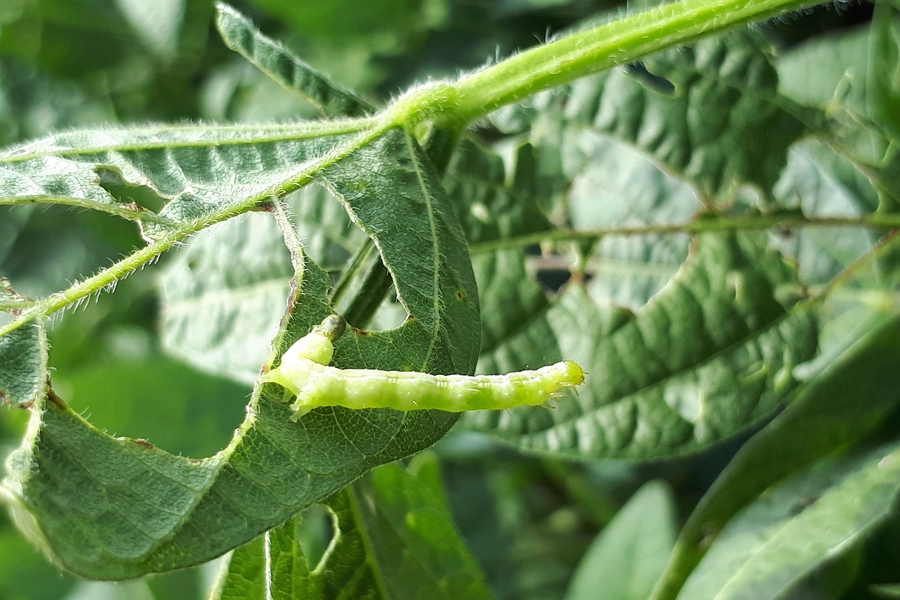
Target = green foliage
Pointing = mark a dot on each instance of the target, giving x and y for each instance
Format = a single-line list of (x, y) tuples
[(701, 215)]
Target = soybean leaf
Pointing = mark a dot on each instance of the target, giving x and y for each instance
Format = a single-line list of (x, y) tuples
[(224, 295), (804, 522), (841, 404), (630, 554), (278, 63), (884, 77), (822, 183), (393, 538), (657, 107), (710, 355), (492, 207), (619, 187), (203, 173), (23, 365), (111, 508)]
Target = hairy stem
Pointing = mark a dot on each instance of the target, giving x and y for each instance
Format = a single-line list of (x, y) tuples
[(602, 47)]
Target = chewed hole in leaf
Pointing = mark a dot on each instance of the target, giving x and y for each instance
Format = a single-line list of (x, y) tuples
[(138, 195), (317, 533)]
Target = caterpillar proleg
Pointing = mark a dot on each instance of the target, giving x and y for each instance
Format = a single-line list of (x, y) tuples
[(304, 372)]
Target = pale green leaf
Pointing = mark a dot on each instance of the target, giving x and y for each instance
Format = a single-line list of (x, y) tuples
[(629, 555), (711, 355), (800, 525), (821, 183), (393, 538), (619, 187), (827, 71), (280, 64)]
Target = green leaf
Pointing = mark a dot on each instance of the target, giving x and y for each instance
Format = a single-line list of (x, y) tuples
[(23, 364), (841, 404), (224, 296), (495, 206), (798, 526), (824, 184), (111, 508), (630, 554), (278, 63), (827, 71), (884, 73), (329, 236), (619, 187), (186, 166), (690, 110), (394, 538), (490, 204), (391, 191), (709, 356), (156, 24)]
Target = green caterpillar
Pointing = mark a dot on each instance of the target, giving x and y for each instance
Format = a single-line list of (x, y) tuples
[(304, 372)]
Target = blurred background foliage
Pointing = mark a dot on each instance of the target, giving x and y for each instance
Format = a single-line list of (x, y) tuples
[(69, 63)]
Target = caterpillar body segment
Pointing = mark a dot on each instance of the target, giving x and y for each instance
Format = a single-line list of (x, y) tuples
[(304, 372)]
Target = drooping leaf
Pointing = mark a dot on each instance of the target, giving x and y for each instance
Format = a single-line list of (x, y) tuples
[(394, 538), (803, 523), (630, 554), (710, 355), (278, 63)]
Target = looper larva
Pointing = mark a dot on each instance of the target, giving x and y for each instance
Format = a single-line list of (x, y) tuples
[(304, 372)]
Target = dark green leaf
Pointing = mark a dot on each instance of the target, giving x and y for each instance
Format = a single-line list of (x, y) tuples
[(843, 403), (689, 109), (394, 538), (276, 61), (709, 356), (90, 496), (806, 521)]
